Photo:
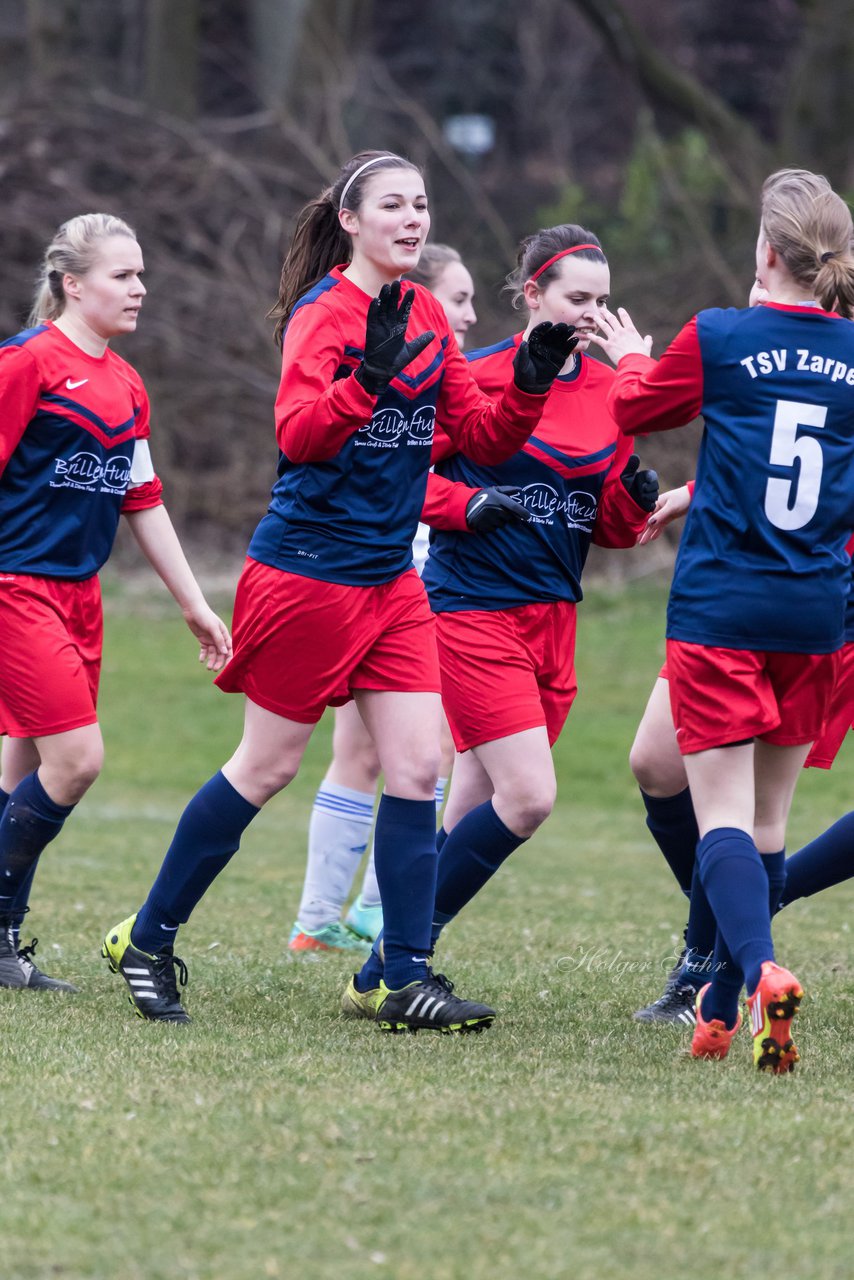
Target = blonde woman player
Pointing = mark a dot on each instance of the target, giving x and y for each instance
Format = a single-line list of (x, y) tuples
[(74, 457)]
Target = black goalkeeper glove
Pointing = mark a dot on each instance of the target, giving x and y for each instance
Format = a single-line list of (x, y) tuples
[(540, 359), (642, 486), (386, 348), (490, 509)]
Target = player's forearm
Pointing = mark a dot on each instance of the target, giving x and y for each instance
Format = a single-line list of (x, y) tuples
[(157, 540), (445, 503), (500, 429)]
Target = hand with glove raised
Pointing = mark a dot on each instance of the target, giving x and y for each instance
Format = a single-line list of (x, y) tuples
[(491, 509), (542, 355), (642, 486), (386, 348)]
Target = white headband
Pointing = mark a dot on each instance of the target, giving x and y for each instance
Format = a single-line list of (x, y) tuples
[(353, 176)]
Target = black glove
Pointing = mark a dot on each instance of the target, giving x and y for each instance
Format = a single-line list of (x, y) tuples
[(540, 359), (489, 509), (386, 348), (642, 486)]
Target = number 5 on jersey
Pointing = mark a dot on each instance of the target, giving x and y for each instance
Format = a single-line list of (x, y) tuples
[(788, 448)]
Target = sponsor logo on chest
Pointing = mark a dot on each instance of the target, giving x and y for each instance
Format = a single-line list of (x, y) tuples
[(390, 427), (545, 504), (92, 474)]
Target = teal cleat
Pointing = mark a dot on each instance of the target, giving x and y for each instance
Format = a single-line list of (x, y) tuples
[(367, 922), (329, 937)]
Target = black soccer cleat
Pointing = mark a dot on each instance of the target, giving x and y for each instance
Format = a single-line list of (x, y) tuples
[(11, 974), (431, 1006), (676, 1003), (152, 985), (17, 967), (33, 976)]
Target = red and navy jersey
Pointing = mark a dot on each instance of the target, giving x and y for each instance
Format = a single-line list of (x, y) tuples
[(762, 562), (568, 476), (353, 466), (72, 428)]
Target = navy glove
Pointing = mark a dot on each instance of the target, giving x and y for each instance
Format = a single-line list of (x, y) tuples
[(386, 348), (490, 509), (642, 486), (540, 359)]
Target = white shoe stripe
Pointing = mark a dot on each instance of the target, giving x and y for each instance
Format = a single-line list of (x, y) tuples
[(440, 1004), (426, 1005), (127, 969), (415, 1003), (145, 995)]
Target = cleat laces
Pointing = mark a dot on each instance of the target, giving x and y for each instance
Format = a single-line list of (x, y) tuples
[(164, 970)]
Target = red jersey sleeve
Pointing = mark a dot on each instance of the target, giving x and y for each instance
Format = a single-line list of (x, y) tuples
[(143, 496), (657, 395), (145, 489), (315, 415), (20, 385), (619, 519), (486, 430), (446, 502)]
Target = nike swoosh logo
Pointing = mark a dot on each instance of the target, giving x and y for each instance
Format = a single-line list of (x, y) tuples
[(71, 385)]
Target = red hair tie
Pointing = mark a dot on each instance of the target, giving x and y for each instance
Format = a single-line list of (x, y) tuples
[(576, 248)]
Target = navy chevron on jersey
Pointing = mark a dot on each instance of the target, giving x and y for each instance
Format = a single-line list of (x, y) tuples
[(353, 467), (762, 562), (70, 427), (568, 476)]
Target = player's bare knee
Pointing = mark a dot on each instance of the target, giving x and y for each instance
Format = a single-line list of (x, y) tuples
[(528, 808), (367, 763), (67, 779), (413, 779), (643, 764)]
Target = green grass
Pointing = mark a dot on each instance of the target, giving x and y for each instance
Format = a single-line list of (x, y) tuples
[(274, 1138)]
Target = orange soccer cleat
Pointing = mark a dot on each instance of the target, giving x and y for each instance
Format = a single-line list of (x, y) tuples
[(711, 1039), (772, 1007)]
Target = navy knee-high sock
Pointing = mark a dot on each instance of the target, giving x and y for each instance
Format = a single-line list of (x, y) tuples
[(736, 886), (206, 838), (29, 821), (673, 826), (405, 858), (471, 855), (825, 861), (369, 976), (19, 905), (721, 1000)]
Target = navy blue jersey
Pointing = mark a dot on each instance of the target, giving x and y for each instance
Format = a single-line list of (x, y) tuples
[(73, 429), (568, 477), (762, 562), (353, 467)]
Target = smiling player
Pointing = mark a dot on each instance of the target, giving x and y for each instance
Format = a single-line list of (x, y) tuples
[(329, 606)]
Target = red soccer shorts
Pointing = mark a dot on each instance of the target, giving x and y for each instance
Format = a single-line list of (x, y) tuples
[(507, 670), (301, 645), (720, 696), (50, 654), (840, 714)]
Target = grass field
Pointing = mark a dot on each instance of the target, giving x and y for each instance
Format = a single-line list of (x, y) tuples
[(272, 1138)]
